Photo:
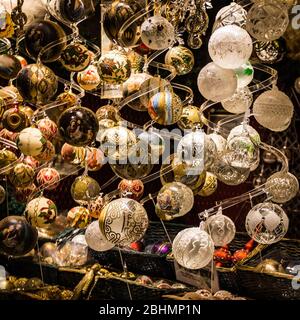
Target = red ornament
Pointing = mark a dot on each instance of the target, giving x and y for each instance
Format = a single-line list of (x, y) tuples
[(136, 246), (48, 178), (249, 245), (222, 255), (48, 128), (239, 255), (32, 162)]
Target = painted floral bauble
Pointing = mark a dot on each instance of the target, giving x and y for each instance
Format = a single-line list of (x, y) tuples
[(84, 189), (193, 248), (74, 155), (18, 237), (78, 126), (23, 194), (181, 58), (41, 33), (48, 128), (108, 116), (78, 217), (244, 74), (240, 102), (89, 78), (190, 118), (114, 67), (165, 108), (273, 109), (267, 223), (133, 189), (7, 158), (157, 33), (48, 178), (48, 153), (123, 221), (15, 120), (137, 61), (22, 175), (133, 86), (94, 159), (210, 185), (95, 239), (9, 66), (2, 194), (230, 47), (37, 83), (233, 14), (95, 207), (216, 83), (67, 99), (40, 212), (174, 200)]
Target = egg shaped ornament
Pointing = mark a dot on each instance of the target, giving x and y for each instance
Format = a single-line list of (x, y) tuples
[(74, 11), (94, 159), (216, 83), (282, 187), (267, 20), (9, 66), (15, 120), (47, 127), (267, 223), (89, 78), (85, 189), (40, 212), (36, 83), (155, 141), (31, 141), (157, 33), (273, 109), (108, 116), (193, 248), (210, 185), (75, 57), (181, 58), (174, 200), (240, 102), (116, 14), (132, 189), (41, 33), (78, 126), (133, 86), (95, 239), (123, 221), (48, 178), (22, 175), (7, 158), (18, 237), (190, 118), (47, 154), (78, 217), (2, 194), (165, 108), (245, 74)]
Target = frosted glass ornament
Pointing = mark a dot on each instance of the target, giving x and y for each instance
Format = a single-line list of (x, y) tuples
[(244, 74), (282, 186), (155, 141), (95, 239), (216, 83), (193, 248), (273, 109), (229, 47), (243, 129), (267, 20), (267, 223), (219, 141), (240, 102)]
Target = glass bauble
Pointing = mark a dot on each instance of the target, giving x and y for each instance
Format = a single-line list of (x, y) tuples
[(40, 34), (23, 194), (132, 189), (67, 99), (89, 78), (267, 223), (85, 189), (273, 109), (32, 162), (123, 221), (157, 33), (7, 158), (240, 102), (21, 175), (193, 248), (95, 206), (15, 120), (72, 11), (181, 58), (267, 20), (270, 51), (216, 83), (18, 237), (174, 200), (282, 186), (233, 14), (219, 141), (2, 194), (247, 130), (190, 118), (155, 141), (95, 239), (78, 126), (297, 85), (36, 83), (210, 185), (48, 178), (165, 108), (78, 217), (74, 155), (47, 127), (244, 74), (230, 47), (75, 57), (114, 67), (94, 159), (40, 212), (9, 66), (48, 153), (108, 116)]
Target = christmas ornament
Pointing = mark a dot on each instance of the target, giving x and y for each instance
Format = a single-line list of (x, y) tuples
[(6, 24), (190, 118), (240, 102), (181, 58), (2, 194), (47, 127), (22, 61), (36, 83), (84, 189), (94, 159), (78, 217), (68, 100), (137, 61), (269, 266), (15, 120), (193, 248), (244, 74), (123, 221), (48, 178), (157, 33), (9, 66), (89, 78), (23, 194), (219, 142), (244, 129), (78, 126), (270, 51), (73, 11), (95, 207), (48, 153), (233, 14), (40, 212), (222, 256), (75, 57), (95, 239), (230, 47), (133, 189), (108, 116), (74, 155), (297, 85), (210, 185), (273, 109), (27, 110), (114, 67), (216, 83), (7, 158), (267, 223), (21, 175), (41, 33), (165, 108), (155, 141), (17, 236), (174, 200), (160, 248)]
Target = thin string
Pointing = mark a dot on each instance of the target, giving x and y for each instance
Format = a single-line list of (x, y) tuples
[(122, 261), (40, 263), (6, 190)]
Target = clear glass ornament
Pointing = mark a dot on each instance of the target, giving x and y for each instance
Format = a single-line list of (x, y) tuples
[(244, 74), (219, 141), (181, 58), (85, 189), (240, 102), (95, 239), (210, 185)]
